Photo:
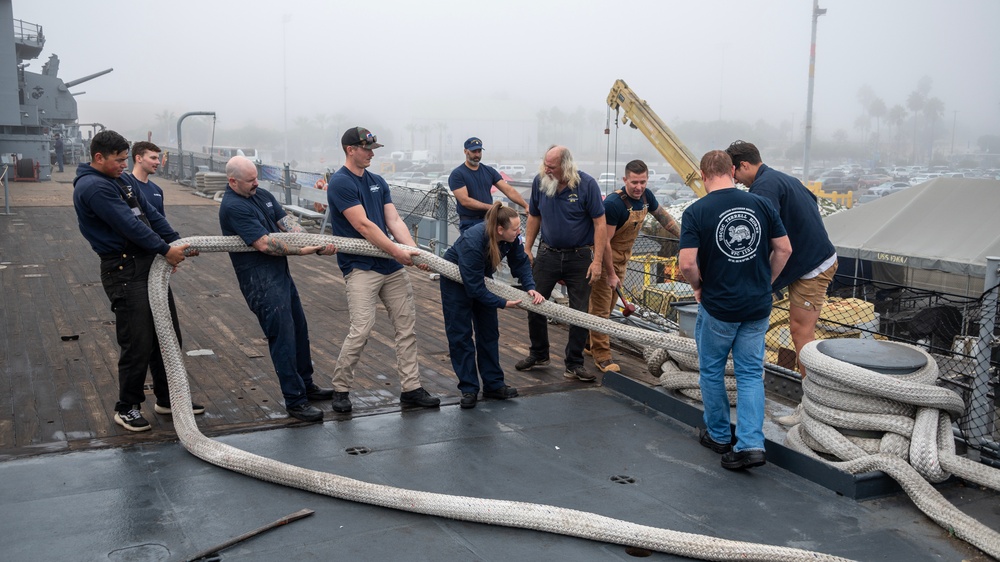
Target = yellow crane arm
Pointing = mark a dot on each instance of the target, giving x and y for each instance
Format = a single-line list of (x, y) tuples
[(638, 115)]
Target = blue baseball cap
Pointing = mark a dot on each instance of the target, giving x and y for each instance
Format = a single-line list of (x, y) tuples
[(474, 144)]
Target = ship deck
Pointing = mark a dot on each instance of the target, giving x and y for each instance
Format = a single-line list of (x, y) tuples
[(77, 486)]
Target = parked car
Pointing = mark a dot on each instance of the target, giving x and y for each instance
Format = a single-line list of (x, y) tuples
[(607, 181), (512, 170), (887, 187), (872, 180)]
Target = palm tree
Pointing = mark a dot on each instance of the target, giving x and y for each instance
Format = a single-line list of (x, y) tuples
[(933, 110), (897, 115), (915, 103)]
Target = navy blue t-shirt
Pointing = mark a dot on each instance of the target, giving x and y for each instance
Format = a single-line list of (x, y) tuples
[(616, 213), (152, 192), (369, 190), (479, 183), (250, 218), (799, 212), (568, 218), (732, 231)]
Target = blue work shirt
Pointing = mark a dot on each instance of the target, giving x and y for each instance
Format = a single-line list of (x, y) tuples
[(568, 218), (473, 259), (479, 183), (152, 192), (250, 218), (107, 221), (732, 231), (369, 190)]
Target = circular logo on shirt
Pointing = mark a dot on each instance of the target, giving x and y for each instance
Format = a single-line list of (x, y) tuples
[(738, 234)]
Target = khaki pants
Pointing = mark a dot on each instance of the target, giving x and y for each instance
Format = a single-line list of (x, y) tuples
[(364, 290), (602, 302)]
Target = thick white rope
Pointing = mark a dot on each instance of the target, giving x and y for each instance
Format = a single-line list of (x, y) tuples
[(917, 447), (494, 512)]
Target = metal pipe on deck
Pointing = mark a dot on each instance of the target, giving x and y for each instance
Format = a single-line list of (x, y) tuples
[(180, 147)]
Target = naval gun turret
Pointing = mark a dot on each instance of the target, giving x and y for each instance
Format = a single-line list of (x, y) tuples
[(35, 106)]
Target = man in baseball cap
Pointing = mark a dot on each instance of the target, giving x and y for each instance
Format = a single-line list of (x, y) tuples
[(360, 136), (472, 183)]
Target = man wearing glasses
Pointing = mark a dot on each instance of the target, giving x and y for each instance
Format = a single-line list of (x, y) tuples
[(472, 184), (361, 207)]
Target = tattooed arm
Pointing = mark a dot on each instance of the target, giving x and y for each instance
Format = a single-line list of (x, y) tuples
[(289, 223), (667, 222), (274, 247)]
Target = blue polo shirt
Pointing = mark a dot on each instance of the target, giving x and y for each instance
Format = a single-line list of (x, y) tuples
[(617, 213), (250, 218), (472, 256), (479, 183), (732, 231), (347, 190), (568, 218)]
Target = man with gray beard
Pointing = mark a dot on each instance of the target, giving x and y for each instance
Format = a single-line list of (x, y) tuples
[(566, 207)]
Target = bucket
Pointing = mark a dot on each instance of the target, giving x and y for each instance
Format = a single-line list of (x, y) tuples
[(687, 315)]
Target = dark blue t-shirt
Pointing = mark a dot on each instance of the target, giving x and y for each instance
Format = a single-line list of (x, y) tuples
[(250, 218), (616, 213), (152, 192), (479, 183), (732, 231), (797, 208), (347, 190), (568, 218)]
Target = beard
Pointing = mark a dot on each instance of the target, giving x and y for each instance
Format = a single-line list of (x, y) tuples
[(548, 185)]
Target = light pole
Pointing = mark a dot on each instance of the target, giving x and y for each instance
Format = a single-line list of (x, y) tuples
[(954, 119), (816, 13), (284, 76)]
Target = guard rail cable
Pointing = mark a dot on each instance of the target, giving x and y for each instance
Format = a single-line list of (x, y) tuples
[(490, 511)]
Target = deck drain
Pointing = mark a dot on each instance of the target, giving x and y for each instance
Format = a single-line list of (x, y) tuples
[(622, 479), (357, 451)]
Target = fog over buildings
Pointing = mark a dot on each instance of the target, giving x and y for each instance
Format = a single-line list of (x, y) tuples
[(430, 74)]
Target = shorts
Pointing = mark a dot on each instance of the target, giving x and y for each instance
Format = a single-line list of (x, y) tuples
[(810, 294)]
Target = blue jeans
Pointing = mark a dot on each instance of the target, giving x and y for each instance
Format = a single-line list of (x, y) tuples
[(549, 268), (273, 298), (473, 338), (715, 340)]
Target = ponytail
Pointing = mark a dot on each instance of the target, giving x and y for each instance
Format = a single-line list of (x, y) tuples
[(497, 216)]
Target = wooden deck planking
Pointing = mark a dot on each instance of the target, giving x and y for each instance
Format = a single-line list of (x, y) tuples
[(73, 384)]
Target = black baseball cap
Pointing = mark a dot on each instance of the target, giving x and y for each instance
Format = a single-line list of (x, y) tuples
[(474, 144), (360, 136)]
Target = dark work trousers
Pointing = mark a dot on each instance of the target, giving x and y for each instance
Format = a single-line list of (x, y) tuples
[(272, 296), (473, 338), (125, 279), (570, 266)]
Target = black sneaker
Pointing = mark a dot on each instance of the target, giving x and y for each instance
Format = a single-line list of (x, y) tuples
[(132, 420), (468, 400), (305, 412), (318, 393), (502, 393), (341, 402), (529, 363), (706, 441), (738, 460), (579, 372), (165, 410), (419, 397)]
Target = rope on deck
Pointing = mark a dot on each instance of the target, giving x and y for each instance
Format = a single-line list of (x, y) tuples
[(490, 511)]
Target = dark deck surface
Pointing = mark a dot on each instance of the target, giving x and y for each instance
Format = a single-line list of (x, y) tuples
[(109, 494), (59, 395)]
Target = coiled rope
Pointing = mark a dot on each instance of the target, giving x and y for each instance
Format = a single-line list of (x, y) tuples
[(917, 447), (494, 512)]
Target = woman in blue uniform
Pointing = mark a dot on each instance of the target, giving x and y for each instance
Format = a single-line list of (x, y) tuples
[(470, 309)]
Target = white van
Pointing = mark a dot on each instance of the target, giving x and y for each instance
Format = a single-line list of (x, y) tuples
[(227, 152), (512, 170)]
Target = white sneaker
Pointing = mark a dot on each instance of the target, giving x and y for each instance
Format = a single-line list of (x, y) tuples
[(794, 418)]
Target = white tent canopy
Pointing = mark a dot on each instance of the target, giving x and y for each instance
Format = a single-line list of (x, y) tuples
[(946, 224)]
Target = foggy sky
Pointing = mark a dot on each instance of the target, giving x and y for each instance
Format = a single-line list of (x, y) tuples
[(396, 61)]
